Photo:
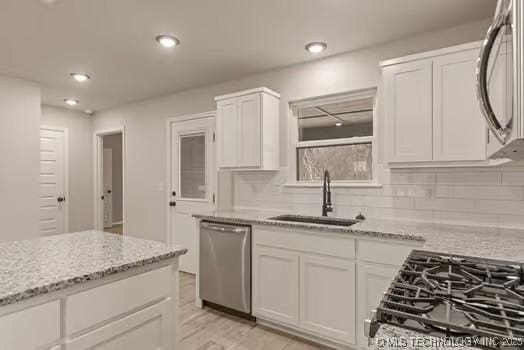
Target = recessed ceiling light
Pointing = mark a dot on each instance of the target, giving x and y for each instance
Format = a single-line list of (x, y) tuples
[(71, 101), (338, 124), (89, 111), (167, 41), (316, 47), (80, 77)]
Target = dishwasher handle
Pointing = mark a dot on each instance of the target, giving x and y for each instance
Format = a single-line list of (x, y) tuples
[(222, 228)]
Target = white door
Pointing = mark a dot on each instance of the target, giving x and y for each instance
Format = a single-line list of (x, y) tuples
[(192, 182), (327, 297), (108, 187), (459, 131), (249, 124), (275, 285), (372, 282), (409, 111), (53, 208)]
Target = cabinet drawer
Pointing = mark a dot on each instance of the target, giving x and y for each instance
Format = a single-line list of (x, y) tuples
[(306, 241), (388, 253), (31, 328), (88, 308)]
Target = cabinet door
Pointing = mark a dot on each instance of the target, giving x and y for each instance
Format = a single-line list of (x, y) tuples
[(249, 131), (372, 282), (459, 131), (275, 285), (409, 111), (227, 131), (327, 297), (148, 329)]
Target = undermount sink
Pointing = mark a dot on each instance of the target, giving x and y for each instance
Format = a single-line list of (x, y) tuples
[(316, 220)]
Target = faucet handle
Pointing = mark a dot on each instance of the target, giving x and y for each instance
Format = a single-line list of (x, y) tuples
[(360, 217)]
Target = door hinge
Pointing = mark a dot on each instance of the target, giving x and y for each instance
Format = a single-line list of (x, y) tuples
[(213, 198), (214, 137)]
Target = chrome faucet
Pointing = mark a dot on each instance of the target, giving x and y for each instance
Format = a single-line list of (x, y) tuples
[(327, 206)]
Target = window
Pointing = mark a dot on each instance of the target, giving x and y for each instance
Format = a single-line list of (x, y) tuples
[(334, 133)]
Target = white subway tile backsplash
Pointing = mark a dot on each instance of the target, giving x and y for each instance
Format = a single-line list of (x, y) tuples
[(462, 218), (412, 178), (500, 207), (513, 178), (515, 193), (444, 191), (483, 197), (471, 178), (444, 204)]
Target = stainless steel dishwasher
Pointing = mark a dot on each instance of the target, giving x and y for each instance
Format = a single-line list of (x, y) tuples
[(225, 266)]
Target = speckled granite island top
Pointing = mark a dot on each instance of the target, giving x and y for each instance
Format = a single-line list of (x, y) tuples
[(32, 267)]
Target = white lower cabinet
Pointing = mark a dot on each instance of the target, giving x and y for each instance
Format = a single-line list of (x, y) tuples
[(372, 282), (275, 285), (327, 297), (322, 285), (147, 329)]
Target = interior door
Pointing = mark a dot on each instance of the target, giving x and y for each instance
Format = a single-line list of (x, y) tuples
[(192, 182), (53, 208), (108, 186)]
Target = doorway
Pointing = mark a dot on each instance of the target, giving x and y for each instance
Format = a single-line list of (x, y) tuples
[(109, 181), (191, 176)]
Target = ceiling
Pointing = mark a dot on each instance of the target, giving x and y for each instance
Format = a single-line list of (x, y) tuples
[(347, 112), (113, 40)]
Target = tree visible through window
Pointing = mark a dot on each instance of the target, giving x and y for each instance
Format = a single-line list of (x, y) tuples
[(335, 136)]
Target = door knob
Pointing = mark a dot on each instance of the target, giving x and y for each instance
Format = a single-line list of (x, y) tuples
[(60, 199), (172, 204)]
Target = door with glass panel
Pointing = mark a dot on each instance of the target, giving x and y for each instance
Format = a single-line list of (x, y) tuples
[(192, 183)]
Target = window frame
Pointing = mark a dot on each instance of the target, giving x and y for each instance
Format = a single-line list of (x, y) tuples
[(294, 144)]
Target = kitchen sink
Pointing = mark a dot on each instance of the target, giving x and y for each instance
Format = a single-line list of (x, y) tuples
[(315, 220)]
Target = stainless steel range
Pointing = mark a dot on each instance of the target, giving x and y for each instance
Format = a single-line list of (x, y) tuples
[(456, 296)]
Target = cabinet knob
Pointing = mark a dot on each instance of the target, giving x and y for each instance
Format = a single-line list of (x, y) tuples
[(172, 204)]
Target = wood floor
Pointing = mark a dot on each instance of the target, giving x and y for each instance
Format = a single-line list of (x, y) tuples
[(118, 229), (207, 329)]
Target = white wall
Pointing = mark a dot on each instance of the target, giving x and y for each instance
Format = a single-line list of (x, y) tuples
[(114, 142), (20, 155), (80, 147), (146, 123)]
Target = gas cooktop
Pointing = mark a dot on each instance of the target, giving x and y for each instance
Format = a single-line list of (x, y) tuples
[(456, 297)]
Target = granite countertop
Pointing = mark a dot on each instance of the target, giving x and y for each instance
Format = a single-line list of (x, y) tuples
[(32, 267), (483, 242)]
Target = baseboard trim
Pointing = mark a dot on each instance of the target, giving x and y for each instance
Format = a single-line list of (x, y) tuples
[(305, 336)]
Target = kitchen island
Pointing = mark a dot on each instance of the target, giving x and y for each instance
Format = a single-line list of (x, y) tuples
[(88, 290), (379, 247)]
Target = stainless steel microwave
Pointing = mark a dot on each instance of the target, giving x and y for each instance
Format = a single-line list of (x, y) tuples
[(500, 81)]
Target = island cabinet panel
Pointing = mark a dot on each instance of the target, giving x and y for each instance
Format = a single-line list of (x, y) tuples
[(31, 328), (372, 282), (96, 305), (275, 285), (327, 297), (148, 329)]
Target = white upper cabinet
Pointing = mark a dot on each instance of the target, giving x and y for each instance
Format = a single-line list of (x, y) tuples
[(432, 112), (408, 109), (248, 130), (459, 131)]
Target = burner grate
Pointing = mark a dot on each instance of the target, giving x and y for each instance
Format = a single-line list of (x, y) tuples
[(456, 296)]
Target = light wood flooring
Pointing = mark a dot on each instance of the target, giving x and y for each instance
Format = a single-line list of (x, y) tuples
[(118, 229), (208, 329)]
